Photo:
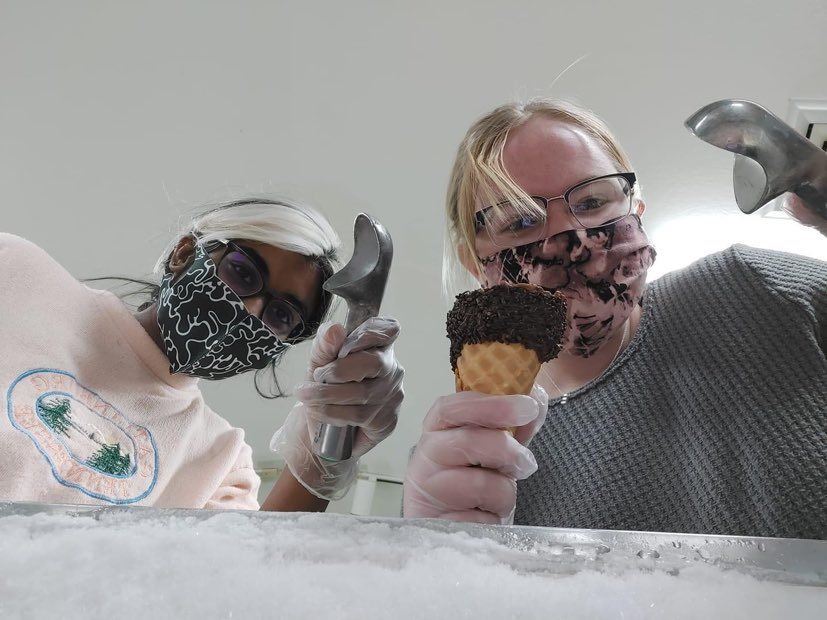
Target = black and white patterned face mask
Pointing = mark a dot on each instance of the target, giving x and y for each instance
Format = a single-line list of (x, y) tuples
[(206, 329)]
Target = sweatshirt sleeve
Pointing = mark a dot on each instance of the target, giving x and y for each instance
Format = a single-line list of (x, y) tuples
[(800, 280), (27, 269), (239, 489)]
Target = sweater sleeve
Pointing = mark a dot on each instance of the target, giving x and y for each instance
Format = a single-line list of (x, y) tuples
[(239, 489), (800, 280)]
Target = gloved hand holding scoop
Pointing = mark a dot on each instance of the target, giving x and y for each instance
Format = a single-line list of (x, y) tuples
[(771, 157), (351, 398), (361, 283)]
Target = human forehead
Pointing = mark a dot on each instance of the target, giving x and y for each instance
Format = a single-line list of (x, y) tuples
[(546, 156), (277, 260)]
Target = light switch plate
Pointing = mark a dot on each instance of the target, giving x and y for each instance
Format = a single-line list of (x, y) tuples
[(805, 112), (817, 134)]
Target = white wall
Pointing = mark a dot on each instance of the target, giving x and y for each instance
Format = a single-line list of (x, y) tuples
[(117, 117)]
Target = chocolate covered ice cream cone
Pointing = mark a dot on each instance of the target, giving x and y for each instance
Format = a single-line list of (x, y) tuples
[(501, 335)]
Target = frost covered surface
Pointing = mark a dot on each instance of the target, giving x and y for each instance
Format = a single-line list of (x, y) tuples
[(232, 566)]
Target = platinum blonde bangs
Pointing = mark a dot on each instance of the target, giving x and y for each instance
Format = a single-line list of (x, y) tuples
[(479, 180), (282, 223)]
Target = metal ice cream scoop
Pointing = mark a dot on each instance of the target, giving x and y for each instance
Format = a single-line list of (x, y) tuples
[(770, 156), (361, 283)]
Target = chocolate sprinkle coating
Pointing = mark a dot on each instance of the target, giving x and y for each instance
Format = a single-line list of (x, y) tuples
[(522, 314)]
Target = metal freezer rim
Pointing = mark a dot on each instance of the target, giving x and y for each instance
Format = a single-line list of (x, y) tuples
[(550, 550)]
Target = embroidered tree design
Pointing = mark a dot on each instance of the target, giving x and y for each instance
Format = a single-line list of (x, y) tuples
[(110, 460), (57, 414)]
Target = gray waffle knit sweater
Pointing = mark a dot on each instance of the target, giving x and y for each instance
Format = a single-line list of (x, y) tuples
[(713, 420)]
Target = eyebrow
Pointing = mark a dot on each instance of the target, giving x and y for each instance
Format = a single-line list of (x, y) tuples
[(262, 265)]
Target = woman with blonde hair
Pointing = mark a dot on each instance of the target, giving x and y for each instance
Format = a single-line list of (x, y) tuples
[(102, 405), (696, 403)]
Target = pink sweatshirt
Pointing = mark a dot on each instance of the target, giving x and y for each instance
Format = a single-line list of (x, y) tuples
[(89, 413)]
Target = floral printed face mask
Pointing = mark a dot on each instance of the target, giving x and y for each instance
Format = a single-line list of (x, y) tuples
[(601, 271)]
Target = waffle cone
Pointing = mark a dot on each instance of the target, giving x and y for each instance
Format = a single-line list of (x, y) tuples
[(496, 368)]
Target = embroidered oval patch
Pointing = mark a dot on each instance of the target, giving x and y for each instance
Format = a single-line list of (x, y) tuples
[(90, 445)]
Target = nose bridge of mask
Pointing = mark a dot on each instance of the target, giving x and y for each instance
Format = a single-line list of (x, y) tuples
[(211, 268), (224, 327), (231, 295), (243, 317), (559, 219)]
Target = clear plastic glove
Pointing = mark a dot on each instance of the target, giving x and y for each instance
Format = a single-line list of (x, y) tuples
[(465, 467), (351, 381), (793, 205)]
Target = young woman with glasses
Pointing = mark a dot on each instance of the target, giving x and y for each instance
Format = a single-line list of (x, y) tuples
[(103, 405), (696, 403)]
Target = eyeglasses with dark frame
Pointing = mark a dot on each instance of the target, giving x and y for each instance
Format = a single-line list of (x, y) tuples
[(595, 202), (241, 272)]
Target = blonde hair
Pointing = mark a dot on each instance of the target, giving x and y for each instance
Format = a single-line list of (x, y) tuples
[(479, 174)]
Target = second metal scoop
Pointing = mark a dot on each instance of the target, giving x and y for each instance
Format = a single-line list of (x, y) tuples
[(771, 158), (361, 283)]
